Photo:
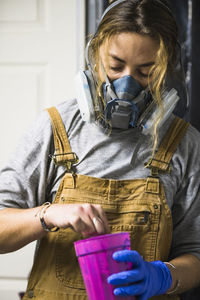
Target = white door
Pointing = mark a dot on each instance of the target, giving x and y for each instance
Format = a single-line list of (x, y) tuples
[(41, 49)]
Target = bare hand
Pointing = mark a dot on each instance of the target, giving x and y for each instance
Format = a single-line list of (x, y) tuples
[(86, 219)]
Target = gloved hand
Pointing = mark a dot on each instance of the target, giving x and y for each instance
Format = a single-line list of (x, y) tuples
[(145, 280)]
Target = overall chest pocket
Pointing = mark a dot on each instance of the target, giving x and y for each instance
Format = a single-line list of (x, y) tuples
[(142, 223), (136, 219)]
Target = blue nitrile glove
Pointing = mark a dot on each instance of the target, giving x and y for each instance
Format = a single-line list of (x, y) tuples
[(145, 280)]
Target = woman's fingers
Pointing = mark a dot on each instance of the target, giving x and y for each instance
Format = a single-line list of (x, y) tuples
[(98, 224), (82, 224), (99, 219), (129, 256), (102, 218), (86, 219)]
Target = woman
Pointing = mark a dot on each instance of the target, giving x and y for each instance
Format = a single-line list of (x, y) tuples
[(96, 177)]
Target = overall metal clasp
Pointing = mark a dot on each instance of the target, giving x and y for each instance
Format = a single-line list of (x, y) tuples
[(66, 159)]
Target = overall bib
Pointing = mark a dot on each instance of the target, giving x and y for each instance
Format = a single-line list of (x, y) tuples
[(137, 206)]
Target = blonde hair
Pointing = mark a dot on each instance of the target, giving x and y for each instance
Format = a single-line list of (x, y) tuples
[(133, 16)]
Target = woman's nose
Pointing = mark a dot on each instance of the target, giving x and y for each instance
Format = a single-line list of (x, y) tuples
[(134, 73), (129, 72)]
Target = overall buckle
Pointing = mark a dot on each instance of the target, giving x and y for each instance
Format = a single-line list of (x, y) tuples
[(66, 159)]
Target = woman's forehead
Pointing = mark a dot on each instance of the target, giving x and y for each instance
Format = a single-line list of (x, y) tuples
[(130, 45)]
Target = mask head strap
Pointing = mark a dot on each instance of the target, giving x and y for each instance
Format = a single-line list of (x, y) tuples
[(87, 50), (113, 4)]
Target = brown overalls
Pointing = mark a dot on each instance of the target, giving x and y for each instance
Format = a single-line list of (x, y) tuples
[(137, 206)]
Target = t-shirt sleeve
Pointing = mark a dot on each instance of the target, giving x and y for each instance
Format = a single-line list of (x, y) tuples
[(186, 204), (24, 179), (186, 216), (30, 177)]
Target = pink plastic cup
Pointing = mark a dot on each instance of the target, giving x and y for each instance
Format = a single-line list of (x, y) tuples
[(96, 263)]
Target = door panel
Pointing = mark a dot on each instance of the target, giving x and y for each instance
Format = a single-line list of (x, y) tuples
[(41, 49)]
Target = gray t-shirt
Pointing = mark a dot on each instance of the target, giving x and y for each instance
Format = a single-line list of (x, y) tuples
[(30, 178)]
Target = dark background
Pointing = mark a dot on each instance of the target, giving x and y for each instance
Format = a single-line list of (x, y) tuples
[(187, 14)]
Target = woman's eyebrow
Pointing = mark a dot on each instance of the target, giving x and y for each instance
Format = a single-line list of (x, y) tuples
[(146, 64), (116, 58)]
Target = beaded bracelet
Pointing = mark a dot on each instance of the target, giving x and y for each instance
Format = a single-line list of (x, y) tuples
[(42, 221), (177, 285)]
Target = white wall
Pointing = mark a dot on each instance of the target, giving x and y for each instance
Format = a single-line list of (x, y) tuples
[(41, 49)]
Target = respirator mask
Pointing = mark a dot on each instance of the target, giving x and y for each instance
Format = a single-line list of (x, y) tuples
[(125, 100), (124, 103)]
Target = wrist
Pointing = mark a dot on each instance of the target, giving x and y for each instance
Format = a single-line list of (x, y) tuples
[(43, 220), (175, 282)]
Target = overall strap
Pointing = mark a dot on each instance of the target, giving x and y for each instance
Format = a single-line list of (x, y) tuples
[(63, 154), (169, 144)]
